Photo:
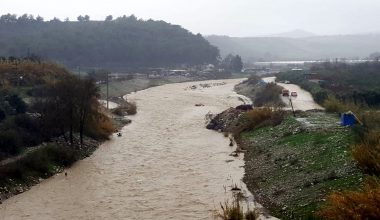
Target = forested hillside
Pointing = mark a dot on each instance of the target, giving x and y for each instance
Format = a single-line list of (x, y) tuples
[(113, 43)]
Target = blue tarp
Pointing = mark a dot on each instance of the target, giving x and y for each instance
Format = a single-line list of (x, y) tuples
[(348, 119)]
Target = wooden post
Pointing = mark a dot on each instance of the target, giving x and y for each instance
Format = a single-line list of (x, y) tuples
[(291, 104), (107, 90)]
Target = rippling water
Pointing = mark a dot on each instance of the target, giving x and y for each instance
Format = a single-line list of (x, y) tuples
[(165, 166)]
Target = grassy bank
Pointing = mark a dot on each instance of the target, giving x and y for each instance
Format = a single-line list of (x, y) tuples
[(292, 164), (292, 167), (295, 165)]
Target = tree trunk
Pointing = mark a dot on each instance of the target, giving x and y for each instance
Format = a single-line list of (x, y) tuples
[(71, 127)]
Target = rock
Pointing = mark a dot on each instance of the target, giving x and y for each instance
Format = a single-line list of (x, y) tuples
[(244, 107), (234, 154)]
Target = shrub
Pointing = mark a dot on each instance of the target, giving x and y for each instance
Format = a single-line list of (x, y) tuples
[(39, 163), (128, 108), (353, 205), (259, 117), (367, 153), (334, 105), (24, 121), (251, 215), (269, 96), (2, 115), (17, 103), (231, 211), (370, 119), (118, 111), (234, 211), (132, 108), (10, 142), (99, 128), (320, 96)]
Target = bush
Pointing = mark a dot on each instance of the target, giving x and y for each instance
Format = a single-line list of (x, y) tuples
[(17, 103), (259, 117), (128, 108), (2, 115), (100, 128), (353, 205), (132, 108), (118, 111), (367, 153), (269, 96), (234, 211), (334, 105), (10, 142), (39, 163), (370, 119), (320, 96), (231, 211)]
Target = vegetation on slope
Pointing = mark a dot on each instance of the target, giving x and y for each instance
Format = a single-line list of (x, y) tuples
[(299, 165), (44, 103), (261, 94), (357, 83), (124, 42), (355, 88)]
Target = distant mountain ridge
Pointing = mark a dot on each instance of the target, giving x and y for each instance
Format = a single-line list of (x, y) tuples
[(298, 33), (306, 48)]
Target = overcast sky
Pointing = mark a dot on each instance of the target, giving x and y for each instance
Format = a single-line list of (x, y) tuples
[(222, 17)]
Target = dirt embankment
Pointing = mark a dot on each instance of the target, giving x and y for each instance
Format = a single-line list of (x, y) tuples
[(228, 120)]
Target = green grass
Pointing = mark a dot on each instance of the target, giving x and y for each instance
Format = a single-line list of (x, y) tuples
[(296, 168)]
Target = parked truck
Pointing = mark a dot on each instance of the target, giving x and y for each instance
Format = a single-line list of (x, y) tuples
[(285, 92)]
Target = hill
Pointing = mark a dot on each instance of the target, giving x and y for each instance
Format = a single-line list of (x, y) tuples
[(306, 48), (294, 34), (114, 43)]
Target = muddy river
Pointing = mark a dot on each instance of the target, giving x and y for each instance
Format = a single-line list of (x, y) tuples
[(166, 165)]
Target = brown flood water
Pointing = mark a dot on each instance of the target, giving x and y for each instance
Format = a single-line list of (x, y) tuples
[(165, 166)]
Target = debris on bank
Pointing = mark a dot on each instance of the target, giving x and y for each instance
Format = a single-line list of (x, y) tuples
[(228, 120)]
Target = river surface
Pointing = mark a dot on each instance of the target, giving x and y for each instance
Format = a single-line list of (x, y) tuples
[(166, 165)]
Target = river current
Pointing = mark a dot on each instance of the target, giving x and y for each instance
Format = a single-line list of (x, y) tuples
[(166, 165)]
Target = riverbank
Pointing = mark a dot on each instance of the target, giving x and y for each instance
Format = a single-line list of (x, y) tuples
[(291, 167), (118, 88), (46, 160)]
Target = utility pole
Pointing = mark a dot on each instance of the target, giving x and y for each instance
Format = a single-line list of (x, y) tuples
[(291, 104), (107, 89), (79, 71)]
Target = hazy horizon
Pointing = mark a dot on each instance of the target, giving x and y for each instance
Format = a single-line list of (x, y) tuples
[(239, 18)]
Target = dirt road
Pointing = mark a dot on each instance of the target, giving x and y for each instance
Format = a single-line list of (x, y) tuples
[(304, 101)]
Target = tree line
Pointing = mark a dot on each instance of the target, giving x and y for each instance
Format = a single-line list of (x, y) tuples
[(125, 42), (60, 105)]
